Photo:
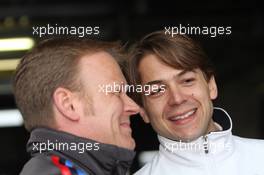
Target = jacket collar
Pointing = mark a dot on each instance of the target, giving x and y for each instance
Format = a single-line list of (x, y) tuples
[(217, 144), (109, 159)]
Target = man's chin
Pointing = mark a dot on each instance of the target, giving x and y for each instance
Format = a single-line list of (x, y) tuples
[(129, 144)]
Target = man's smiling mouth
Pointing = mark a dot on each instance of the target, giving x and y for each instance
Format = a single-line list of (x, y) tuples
[(183, 117)]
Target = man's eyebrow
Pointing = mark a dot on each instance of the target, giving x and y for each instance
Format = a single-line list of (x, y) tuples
[(154, 82), (184, 72)]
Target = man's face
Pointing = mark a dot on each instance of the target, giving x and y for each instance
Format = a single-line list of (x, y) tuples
[(105, 116), (182, 110)]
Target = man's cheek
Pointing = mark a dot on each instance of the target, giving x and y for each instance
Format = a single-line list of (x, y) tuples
[(197, 92), (157, 106), (154, 113)]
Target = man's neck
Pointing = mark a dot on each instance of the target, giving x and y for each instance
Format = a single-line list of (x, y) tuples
[(213, 127)]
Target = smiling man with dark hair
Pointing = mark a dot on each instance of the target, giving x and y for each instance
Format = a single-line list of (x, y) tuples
[(195, 137)]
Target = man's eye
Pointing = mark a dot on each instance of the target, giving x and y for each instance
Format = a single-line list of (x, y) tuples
[(188, 81), (155, 92)]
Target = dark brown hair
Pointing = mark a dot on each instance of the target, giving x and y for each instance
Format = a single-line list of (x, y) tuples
[(180, 52), (51, 64)]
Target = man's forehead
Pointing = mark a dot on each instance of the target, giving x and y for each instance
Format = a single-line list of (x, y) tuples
[(151, 68), (151, 65), (102, 67), (99, 58), (162, 78)]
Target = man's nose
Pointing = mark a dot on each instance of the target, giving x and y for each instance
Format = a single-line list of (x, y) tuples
[(176, 96), (130, 106)]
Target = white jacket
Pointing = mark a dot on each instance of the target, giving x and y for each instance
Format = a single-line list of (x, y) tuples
[(218, 153)]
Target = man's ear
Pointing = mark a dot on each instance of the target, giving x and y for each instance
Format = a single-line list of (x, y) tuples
[(144, 115), (212, 88), (64, 101)]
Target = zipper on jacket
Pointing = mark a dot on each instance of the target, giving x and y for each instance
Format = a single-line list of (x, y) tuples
[(205, 144)]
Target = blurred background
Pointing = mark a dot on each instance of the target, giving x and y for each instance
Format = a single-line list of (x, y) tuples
[(238, 57)]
